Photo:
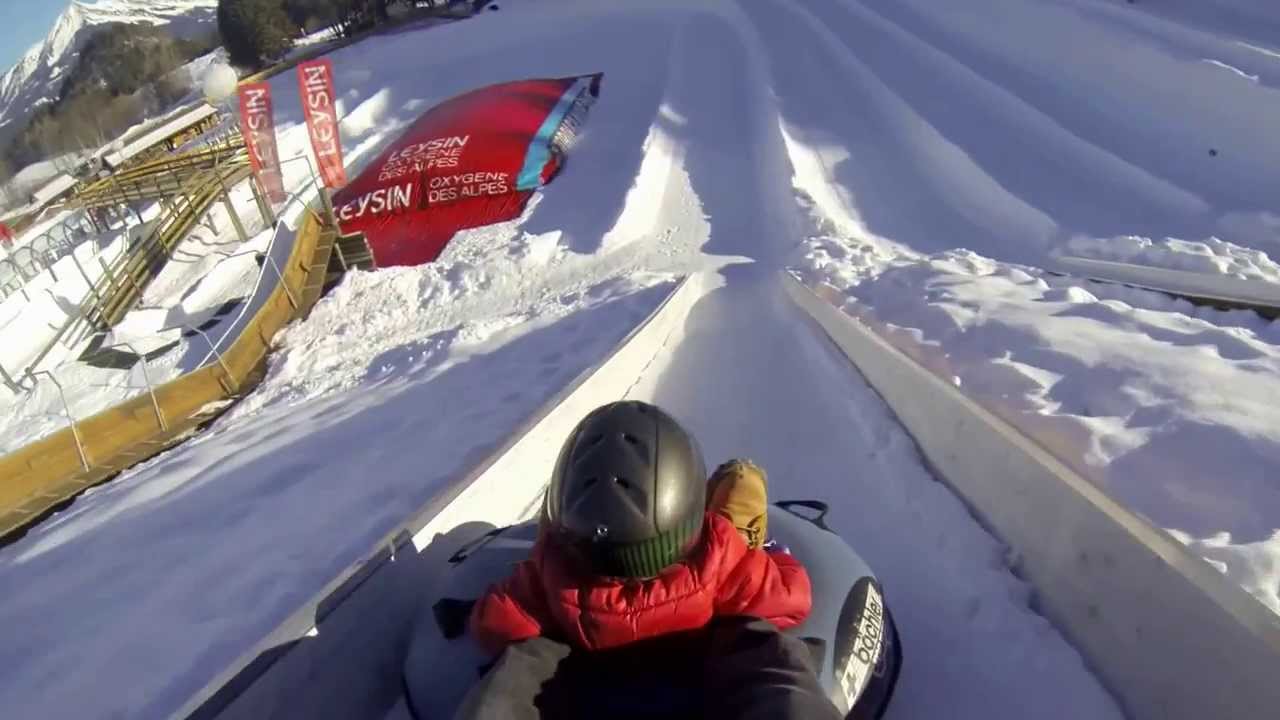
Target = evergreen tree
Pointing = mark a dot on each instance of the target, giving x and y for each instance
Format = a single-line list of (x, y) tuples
[(255, 31)]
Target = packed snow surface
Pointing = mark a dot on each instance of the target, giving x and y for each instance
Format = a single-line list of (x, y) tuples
[(1211, 256), (1170, 408), (925, 158)]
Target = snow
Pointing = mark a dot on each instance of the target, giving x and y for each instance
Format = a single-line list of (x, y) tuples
[(63, 280), (201, 262), (181, 119), (1172, 409), (1095, 167), (1211, 256), (1247, 20), (307, 43), (211, 274), (15, 195), (948, 583), (38, 174), (1169, 407), (199, 67), (29, 416), (927, 159)]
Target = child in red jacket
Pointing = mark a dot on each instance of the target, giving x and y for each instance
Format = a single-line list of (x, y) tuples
[(634, 543)]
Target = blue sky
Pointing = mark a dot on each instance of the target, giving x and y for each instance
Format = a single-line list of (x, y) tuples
[(25, 23)]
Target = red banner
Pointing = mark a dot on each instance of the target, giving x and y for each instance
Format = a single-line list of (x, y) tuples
[(315, 87), (472, 160), (258, 126)]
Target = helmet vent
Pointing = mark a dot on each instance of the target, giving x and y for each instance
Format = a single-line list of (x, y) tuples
[(628, 469), (638, 446)]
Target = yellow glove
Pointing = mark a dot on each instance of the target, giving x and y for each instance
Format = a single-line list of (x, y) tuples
[(737, 491)]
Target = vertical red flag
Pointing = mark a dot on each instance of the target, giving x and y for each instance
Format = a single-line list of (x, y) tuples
[(315, 87), (258, 126)]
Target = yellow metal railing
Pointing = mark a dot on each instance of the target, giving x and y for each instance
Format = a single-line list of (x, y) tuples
[(158, 179), (131, 275)]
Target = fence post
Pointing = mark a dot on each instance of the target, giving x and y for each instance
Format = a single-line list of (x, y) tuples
[(293, 302), (259, 196), (208, 214), (93, 287), (231, 380), (146, 376), (49, 266), (75, 430), (9, 382), (231, 209), (17, 273), (115, 287)]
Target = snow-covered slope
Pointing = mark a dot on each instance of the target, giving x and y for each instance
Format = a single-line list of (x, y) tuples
[(404, 378), (36, 78), (210, 274), (879, 145), (948, 135)]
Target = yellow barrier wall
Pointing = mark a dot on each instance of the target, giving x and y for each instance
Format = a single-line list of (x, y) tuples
[(39, 476)]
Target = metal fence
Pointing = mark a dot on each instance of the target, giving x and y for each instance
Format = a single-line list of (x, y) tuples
[(66, 376), (28, 262), (160, 412)]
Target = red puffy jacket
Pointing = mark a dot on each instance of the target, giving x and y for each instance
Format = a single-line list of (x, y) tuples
[(545, 596)]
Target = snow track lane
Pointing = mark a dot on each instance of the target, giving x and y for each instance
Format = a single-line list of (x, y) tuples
[(907, 181), (188, 560), (1186, 108), (1109, 145), (1248, 23), (748, 373), (1028, 153), (753, 377), (1144, 25)]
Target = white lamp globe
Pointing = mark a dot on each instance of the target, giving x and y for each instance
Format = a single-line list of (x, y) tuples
[(220, 83)]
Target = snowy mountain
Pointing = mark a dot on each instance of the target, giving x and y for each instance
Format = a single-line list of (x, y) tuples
[(35, 80)]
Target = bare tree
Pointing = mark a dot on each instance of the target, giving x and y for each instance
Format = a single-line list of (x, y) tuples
[(49, 138)]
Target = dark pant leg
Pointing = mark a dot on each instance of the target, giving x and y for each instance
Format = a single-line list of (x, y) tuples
[(755, 672), (750, 671), (540, 679), (510, 689)]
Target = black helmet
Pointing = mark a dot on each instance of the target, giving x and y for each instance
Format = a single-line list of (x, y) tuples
[(629, 489)]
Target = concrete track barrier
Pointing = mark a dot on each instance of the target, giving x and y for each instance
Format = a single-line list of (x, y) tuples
[(1168, 635)]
